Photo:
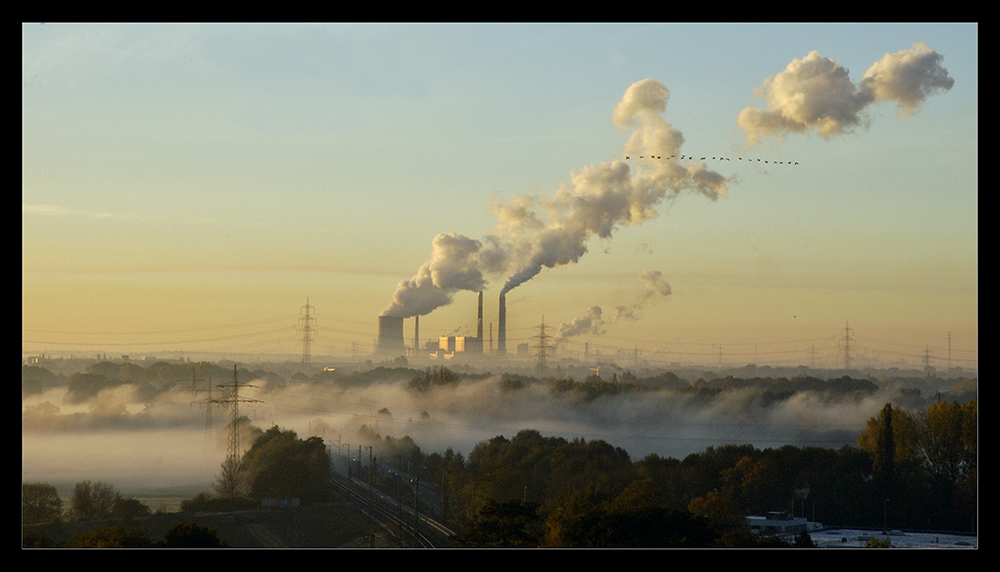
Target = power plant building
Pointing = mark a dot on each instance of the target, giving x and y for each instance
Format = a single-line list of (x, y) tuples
[(452, 344), (390, 338)]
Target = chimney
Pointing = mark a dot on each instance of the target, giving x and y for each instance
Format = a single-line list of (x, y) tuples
[(502, 329), (479, 326), (416, 335)]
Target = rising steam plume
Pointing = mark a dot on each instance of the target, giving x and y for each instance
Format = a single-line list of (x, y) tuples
[(592, 322), (812, 95), (815, 94), (536, 232)]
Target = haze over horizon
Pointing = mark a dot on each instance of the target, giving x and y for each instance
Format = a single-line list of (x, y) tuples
[(187, 187)]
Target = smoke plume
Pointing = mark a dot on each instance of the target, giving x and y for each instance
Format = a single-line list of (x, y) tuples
[(815, 94), (592, 322), (536, 232), (653, 285), (454, 266), (589, 323)]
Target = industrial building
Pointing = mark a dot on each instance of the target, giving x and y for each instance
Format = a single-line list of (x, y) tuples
[(390, 338)]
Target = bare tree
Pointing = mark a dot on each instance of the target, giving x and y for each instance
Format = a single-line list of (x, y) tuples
[(232, 481)]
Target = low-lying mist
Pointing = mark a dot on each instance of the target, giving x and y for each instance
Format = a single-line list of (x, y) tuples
[(139, 440)]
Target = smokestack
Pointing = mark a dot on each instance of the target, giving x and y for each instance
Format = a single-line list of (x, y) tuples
[(390, 336), (416, 334), (502, 329), (479, 327)]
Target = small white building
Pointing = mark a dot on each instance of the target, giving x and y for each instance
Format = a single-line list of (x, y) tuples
[(777, 523)]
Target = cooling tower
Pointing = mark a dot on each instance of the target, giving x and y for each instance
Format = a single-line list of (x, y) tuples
[(502, 329), (390, 336)]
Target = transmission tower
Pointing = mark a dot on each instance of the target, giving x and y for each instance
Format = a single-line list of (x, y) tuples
[(207, 401), (949, 350), (543, 345), (193, 380), (234, 400), (848, 343), (306, 323)]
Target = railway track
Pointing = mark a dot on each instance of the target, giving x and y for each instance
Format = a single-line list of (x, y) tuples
[(409, 528)]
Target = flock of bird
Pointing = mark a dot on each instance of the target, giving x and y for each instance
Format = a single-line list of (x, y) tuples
[(691, 157)]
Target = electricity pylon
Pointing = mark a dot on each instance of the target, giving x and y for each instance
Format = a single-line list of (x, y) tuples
[(306, 323), (848, 343), (207, 401), (234, 400), (543, 345)]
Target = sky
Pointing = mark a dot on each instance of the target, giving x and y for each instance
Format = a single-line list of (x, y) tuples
[(187, 188)]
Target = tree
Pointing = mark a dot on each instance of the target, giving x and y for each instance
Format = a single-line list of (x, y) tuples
[(947, 439), (875, 542), (803, 540), (576, 521), (723, 515), (190, 535), (891, 438), (656, 528), (83, 386), (40, 503), (116, 536), (434, 377), (587, 520), (93, 501), (232, 480), (102, 501), (924, 465), (508, 524), (281, 465), (129, 508)]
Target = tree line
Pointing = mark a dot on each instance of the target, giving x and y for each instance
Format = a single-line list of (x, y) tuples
[(100, 502), (908, 471)]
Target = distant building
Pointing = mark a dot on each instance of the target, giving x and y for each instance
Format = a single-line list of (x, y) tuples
[(452, 344), (449, 346)]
